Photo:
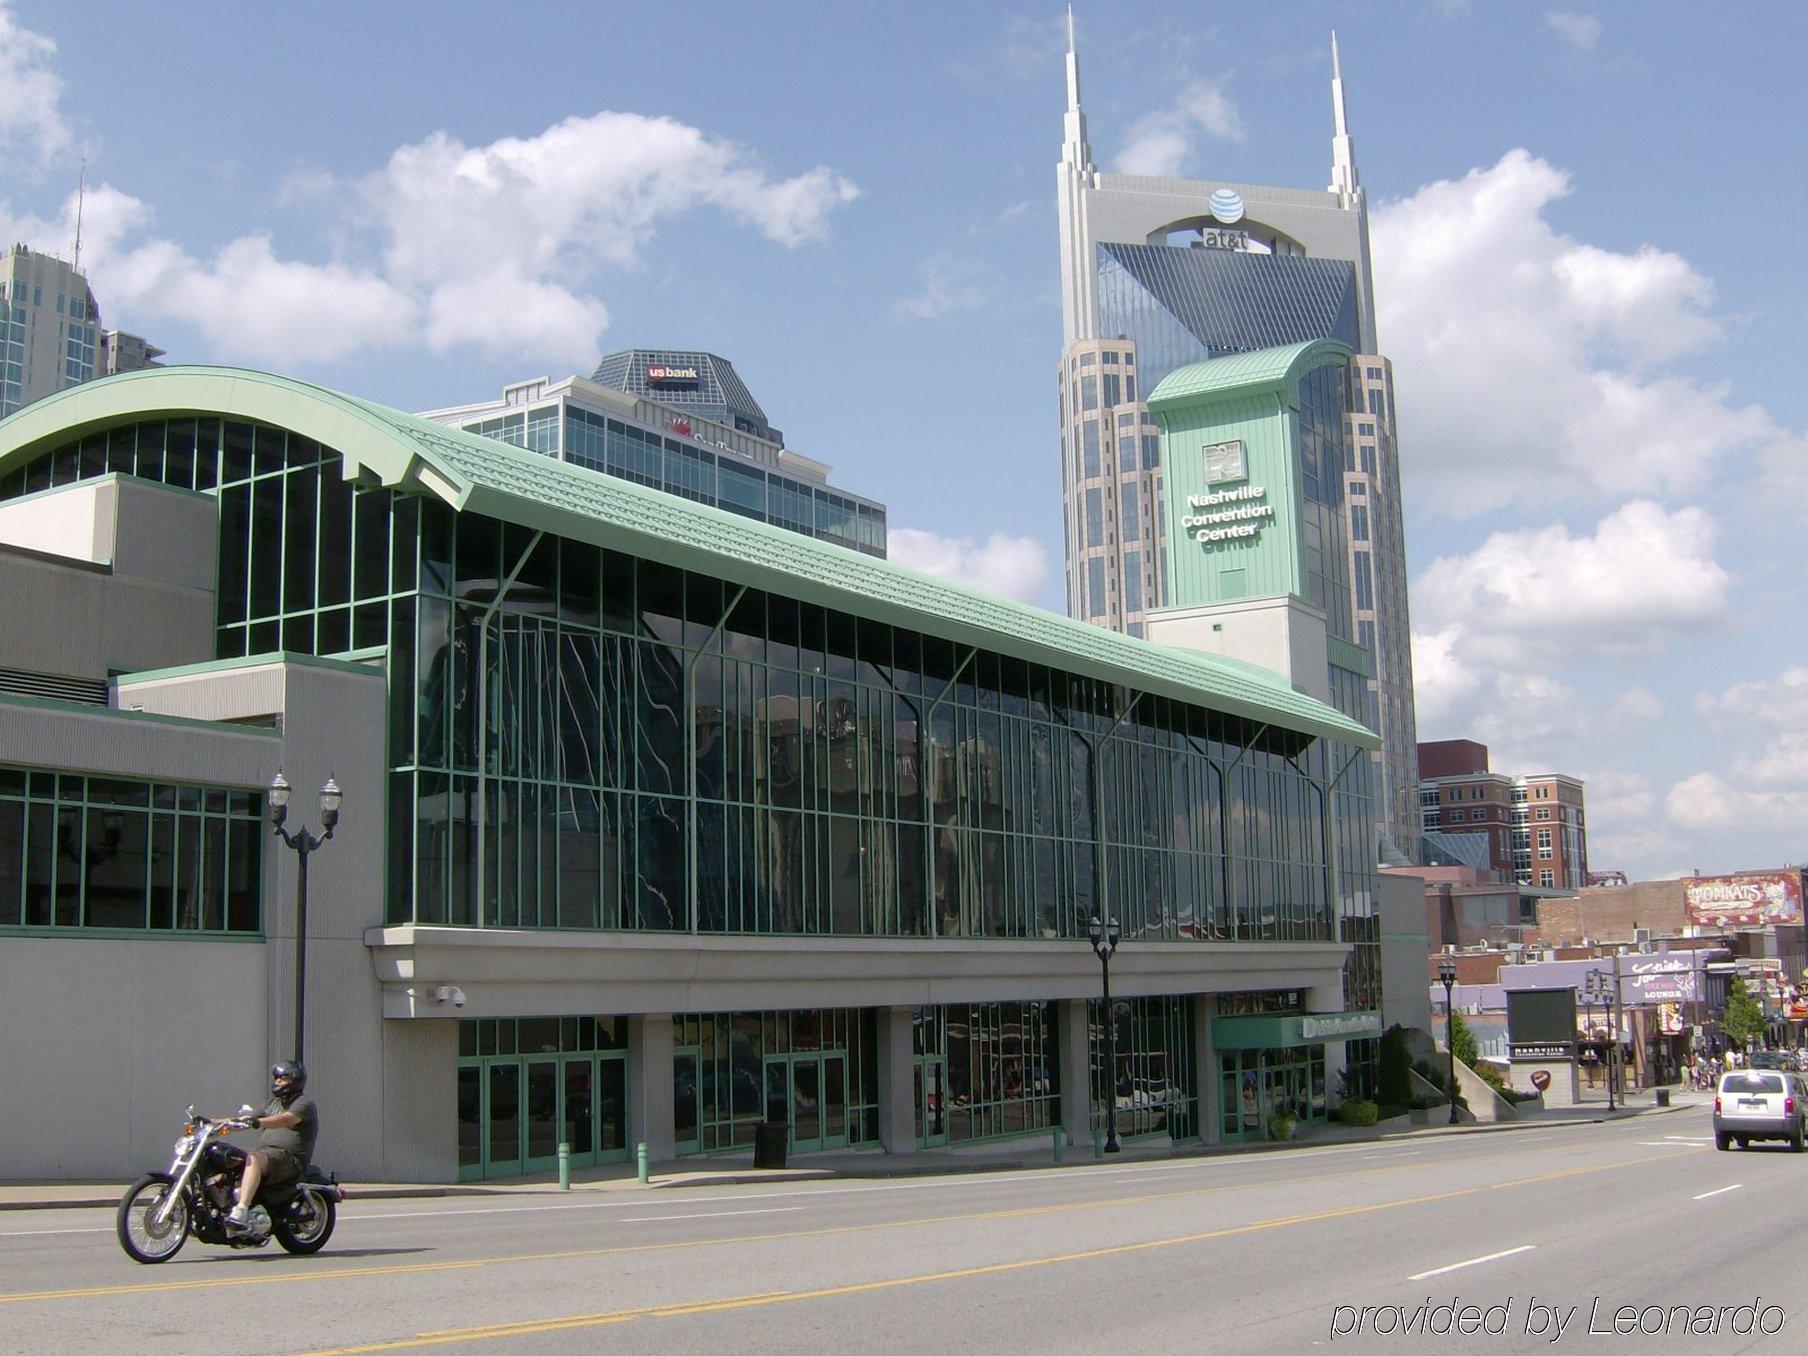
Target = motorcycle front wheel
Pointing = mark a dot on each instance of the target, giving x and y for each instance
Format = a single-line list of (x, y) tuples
[(306, 1226), (140, 1234)]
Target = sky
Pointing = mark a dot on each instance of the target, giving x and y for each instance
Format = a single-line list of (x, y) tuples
[(1586, 229)]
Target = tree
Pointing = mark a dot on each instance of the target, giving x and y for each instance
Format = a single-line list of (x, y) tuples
[(1743, 1020), (1462, 1041)]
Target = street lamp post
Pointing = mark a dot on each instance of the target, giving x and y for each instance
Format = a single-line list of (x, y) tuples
[(1598, 986), (1447, 977), (1104, 938), (304, 844)]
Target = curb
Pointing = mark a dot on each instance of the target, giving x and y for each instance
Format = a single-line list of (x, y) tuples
[(751, 1177)]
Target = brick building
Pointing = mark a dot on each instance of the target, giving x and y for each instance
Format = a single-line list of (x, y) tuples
[(1534, 828)]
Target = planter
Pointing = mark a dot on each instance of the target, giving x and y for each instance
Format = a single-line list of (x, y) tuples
[(1283, 1128)]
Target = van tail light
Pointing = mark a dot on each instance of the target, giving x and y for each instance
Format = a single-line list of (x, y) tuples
[(1789, 1106), (1716, 1106)]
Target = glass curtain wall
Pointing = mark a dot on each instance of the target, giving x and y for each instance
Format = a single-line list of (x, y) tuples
[(1000, 1068), (580, 739), (105, 853), (1153, 1086)]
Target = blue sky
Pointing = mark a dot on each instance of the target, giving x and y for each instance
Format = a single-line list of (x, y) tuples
[(1587, 243)]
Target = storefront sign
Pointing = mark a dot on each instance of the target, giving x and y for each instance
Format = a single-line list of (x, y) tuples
[(1281, 1030), (1743, 901), (1340, 1026), (1542, 1050)]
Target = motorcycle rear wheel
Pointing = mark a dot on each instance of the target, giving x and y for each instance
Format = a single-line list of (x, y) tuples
[(143, 1239), (314, 1231)]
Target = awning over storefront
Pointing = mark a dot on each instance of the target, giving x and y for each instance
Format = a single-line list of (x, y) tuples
[(1281, 1030)]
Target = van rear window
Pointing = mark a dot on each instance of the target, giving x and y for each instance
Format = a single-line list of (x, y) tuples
[(1751, 1082)]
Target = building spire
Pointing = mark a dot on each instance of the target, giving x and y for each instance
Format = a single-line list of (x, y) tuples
[(1074, 149), (81, 198), (1344, 180)]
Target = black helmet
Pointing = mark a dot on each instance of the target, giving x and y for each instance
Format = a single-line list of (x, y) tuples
[(288, 1078)]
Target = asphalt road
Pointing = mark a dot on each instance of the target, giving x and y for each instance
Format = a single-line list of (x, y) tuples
[(1271, 1252)]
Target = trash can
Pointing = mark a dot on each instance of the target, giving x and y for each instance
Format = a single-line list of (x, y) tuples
[(771, 1139), (1663, 1097)]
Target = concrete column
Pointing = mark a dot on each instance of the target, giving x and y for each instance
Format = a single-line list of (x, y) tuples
[(1329, 998), (1205, 1069), (1336, 1060), (651, 1113), (897, 1081), (420, 1101), (1076, 1071)]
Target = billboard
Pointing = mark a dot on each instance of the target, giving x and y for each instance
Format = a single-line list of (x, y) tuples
[(1541, 1023), (1749, 901)]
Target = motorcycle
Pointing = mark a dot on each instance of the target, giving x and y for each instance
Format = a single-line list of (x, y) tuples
[(161, 1209)]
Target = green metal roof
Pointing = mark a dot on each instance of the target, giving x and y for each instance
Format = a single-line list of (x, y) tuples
[(486, 476), (1275, 368)]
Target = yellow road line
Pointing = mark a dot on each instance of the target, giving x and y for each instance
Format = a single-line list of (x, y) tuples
[(411, 1268), (532, 1327)]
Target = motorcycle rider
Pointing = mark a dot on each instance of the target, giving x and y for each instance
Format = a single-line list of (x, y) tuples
[(289, 1125)]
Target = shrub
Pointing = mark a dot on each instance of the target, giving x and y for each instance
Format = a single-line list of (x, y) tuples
[(1491, 1075), (1394, 1081), (1462, 1041), (1360, 1112)]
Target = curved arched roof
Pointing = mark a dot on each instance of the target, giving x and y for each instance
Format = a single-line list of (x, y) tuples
[(1265, 369), (483, 475)]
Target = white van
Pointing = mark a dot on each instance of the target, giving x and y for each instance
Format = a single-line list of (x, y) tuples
[(1760, 1104)]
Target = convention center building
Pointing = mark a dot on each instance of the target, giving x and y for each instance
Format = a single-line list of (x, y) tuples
[(658, 821)]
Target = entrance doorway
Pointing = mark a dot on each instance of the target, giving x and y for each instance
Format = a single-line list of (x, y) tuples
[(809, 1091), (932, 1100), (515, 1110)]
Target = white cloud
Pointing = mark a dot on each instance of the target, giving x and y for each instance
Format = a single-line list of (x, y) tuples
[(1580, 31), (949, 285), (1485, 307), (1545, 594), (32, 127), (1016, 567), (1707, 801), (1160, 143), (499, 247), (1765, 704)]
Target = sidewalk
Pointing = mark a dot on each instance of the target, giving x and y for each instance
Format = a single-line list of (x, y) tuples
[(1015, 1156)]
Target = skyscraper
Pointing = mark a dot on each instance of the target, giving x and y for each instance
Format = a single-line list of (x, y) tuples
[(1158, 273), (49, 327)]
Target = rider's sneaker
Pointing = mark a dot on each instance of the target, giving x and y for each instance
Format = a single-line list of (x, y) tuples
[(239, 1221)]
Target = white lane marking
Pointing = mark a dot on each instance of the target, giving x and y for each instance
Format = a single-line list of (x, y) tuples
[(1669, 1144), (45, 1233), (1473, 1262), (1721, 1192), (711, 1214)]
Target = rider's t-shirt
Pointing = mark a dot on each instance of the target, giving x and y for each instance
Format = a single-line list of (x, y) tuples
[(296, 1139)]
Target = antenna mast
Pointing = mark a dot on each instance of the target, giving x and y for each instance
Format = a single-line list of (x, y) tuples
[(81, 195)]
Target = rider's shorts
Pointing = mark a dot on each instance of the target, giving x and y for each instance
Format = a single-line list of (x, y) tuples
[(284, 1167)]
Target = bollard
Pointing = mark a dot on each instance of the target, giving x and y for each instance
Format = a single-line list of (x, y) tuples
[(1098, 1141), (640, 1155), (564, 1166), (1060, 1139)]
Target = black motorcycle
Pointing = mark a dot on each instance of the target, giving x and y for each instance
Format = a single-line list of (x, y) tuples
[(161, 1209)]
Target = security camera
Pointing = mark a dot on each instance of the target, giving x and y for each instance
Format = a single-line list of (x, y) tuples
[(449, 993)]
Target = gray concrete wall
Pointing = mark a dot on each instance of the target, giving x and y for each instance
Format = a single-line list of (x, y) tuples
[(108, 1040), (1405, 952), (120, 581)]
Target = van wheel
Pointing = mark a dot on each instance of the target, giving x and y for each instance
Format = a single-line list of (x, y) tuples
[(1722, 1142), (1796, 1140)]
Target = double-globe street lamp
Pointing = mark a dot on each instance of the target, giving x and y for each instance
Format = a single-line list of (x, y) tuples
[(304, 843), (1104, 938), (1602, 989), (1447, 977)]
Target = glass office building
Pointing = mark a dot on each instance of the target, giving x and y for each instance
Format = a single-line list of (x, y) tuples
[(672, 822)]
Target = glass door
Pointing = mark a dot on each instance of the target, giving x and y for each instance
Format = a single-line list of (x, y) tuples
[(932, 1099), (543, 1123), (502, 1116), (687, 1099), (806, 1104), (577, 1107)]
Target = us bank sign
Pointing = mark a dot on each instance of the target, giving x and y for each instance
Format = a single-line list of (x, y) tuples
[(1226, 517)]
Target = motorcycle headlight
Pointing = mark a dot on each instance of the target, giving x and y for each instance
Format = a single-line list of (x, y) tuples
[(183, 1145)]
